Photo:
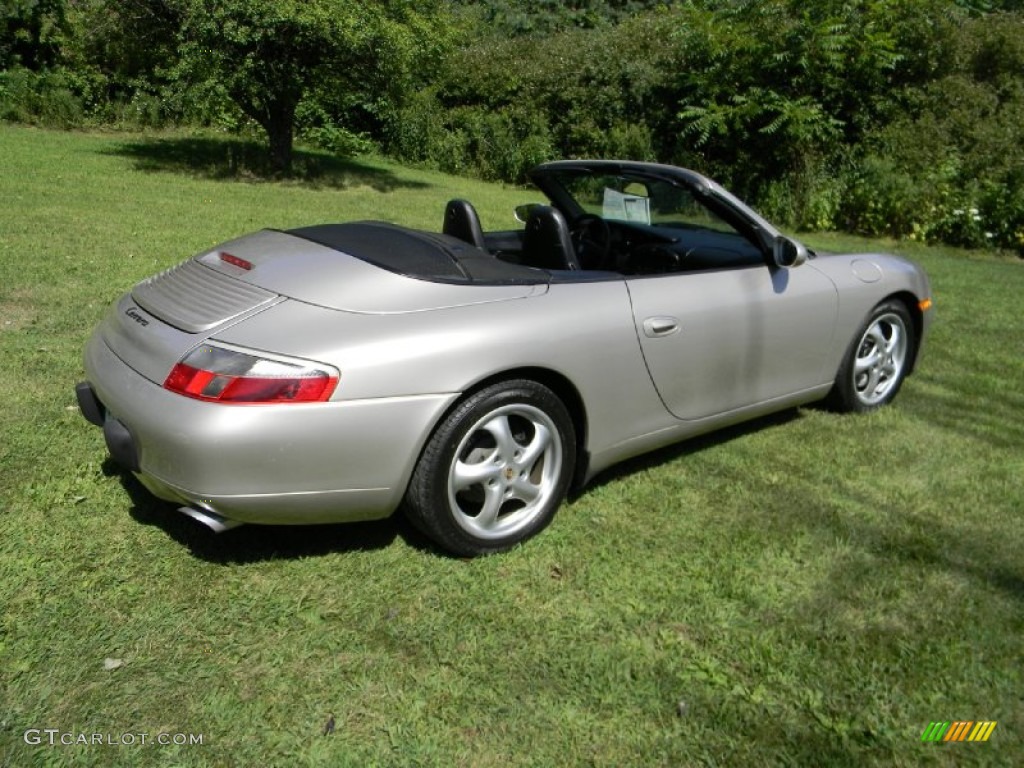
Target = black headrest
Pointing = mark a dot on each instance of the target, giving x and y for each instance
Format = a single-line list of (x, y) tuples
[(547, 242), (462, 221)]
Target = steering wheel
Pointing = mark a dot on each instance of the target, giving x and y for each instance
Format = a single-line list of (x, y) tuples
[(592, 238)]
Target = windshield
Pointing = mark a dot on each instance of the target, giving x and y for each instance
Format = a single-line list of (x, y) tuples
[(631, 198)]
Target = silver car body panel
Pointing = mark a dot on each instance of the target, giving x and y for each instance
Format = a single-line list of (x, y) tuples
[(150, 346), (266, 464), (857, 297), (193, 297), (313, 273), (652, 359), (453, 350), (740, 336)]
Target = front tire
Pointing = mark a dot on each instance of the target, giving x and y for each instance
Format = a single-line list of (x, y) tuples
[(495, 470), (877, 361)]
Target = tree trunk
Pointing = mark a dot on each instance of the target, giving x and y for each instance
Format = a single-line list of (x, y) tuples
[(277, 118), (280, 133)]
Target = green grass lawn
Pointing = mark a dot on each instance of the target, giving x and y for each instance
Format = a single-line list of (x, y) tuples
[(810, 589)]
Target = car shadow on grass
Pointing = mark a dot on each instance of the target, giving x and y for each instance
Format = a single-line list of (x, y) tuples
[(233, 159), (686, 448), (259, 543)]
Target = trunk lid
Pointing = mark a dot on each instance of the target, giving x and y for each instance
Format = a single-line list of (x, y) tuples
[(399, 279), (151, 342), (165, 316), (194, 297)]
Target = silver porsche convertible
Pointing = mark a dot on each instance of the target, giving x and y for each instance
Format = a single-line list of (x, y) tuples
[(341, 372)]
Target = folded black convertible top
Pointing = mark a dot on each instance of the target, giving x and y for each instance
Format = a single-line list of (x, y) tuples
[(422, 255)]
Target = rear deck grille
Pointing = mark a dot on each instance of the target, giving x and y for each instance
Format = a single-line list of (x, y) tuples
[(195, 298)]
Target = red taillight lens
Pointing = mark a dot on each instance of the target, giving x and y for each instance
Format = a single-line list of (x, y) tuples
[(224, 375)]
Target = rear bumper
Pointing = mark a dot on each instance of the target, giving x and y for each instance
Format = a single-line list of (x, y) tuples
[(284, 464), (119, 440), (90, 406)]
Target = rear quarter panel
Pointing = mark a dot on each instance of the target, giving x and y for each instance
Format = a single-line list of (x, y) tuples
[(583, 331)]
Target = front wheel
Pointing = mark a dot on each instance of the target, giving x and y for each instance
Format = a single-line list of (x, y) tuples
[(877, 361), (495, 470)]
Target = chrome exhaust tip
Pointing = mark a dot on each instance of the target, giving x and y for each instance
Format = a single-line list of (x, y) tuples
[(210, 519)]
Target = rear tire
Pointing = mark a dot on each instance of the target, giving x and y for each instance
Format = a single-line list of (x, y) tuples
[(495, 470), (877, 361)]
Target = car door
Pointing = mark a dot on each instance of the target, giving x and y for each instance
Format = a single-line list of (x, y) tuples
[(720, 326), (716, 340)]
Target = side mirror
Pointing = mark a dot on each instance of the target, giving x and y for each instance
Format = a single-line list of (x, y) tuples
[(522, 212), (788, 253)]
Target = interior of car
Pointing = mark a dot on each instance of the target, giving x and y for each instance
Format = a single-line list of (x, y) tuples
[(617, 226)]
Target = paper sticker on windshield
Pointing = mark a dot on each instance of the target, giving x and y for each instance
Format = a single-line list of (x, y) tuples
[(622, 207)]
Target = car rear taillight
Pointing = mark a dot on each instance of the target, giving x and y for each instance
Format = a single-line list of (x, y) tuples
[(218, 374)]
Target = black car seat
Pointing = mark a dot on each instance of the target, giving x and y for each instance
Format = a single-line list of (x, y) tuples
[(461, 221), (547, 243)]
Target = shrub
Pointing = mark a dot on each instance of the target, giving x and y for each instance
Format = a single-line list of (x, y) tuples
[(39, 98), (949, 166), (808, 198), (494, 144), (317, 127), (421, 131)]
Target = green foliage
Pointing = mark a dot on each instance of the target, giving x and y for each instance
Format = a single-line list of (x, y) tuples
[(317, 128), (543, 17), (270, 55), (782, 101), (885, 116), (504, 144), (495, 144), (44, 98), (31, 33), (778, 93), (508, 103), (809, 197), (132, 42), (949, 167)]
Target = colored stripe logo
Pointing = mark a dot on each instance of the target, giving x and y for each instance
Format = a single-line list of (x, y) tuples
[(960, 730)]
